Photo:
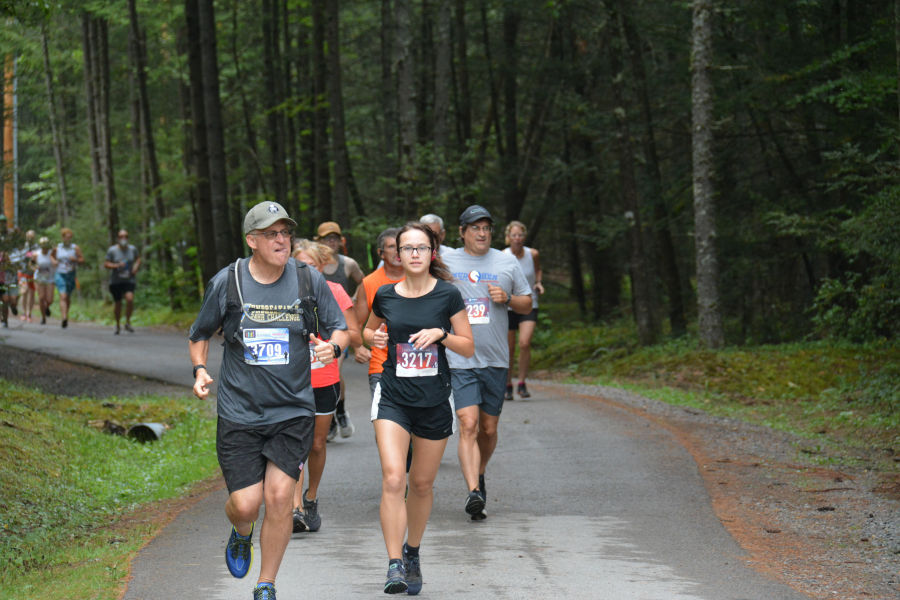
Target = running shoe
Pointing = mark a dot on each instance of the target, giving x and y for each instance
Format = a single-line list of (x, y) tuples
[(311, 513), (413, 572), (117, 330), (332, 431), (474, 502), (299, 522), (508, 395), (65, 323), (345, 426), (523, 391), (396, 579), (130, 329), (239, 553), (264, 591)]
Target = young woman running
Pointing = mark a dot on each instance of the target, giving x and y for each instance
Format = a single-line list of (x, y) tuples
[(327, 390), (413, 402), (43, 277)]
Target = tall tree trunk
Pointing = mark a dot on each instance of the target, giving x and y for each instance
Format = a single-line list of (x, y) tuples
[(227, 247), (58, 143), (206, 237), (442, 79), (641, 280), (406, 100), (707, 262), (322, 156), (388, 94), (665, 248), (461, 65), (510, 73), (290, 141), (255, 180), (343, 176), (155, 180), (897, 57), (306, 97), (91, 109), (274, 97)]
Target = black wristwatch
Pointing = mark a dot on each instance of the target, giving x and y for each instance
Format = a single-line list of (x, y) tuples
[(337, 349), (508, 299), (197, 368), (441, 339)]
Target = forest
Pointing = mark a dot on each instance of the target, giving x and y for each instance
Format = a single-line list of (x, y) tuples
[(725, 166)]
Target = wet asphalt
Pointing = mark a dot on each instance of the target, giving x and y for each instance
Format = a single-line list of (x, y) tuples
[(584, 501)]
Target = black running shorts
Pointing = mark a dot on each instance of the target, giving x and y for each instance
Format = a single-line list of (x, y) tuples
[(431, 423), (245, 450)]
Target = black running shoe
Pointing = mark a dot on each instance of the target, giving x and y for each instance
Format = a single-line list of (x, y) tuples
[(413, 572), (396, 579), (474, 502), (523, 391), (299, 522), (508, 395), (311, 513)]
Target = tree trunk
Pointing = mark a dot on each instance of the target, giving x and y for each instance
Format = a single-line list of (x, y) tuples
[(442, 79), (641, 280), (58, 143), (306, 96), (155, 180), (274, 97), (321, 153), (406, 100), (343, 177), (226, 247), (388, 95), (91, 108), (510, 121), (665, 248), (707, 262), (255, 180), (897, 55), (206, 238), (464, 98)]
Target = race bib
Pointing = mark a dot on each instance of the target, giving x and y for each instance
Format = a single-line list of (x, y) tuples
[(412, 362), (269, 346), (314, 362), (478, 310)]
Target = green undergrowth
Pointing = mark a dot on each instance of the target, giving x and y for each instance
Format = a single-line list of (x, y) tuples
[(145, 314), (844, 398), (67, 489)]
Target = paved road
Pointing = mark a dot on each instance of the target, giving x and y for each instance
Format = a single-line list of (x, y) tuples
[(584, 501)]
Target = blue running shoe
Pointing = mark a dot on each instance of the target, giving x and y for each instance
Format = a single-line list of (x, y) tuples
[(413, 573), (239, 553), (396, 579), (264, 591)]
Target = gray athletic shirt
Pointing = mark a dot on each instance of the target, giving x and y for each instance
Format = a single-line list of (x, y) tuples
[(278, 389), (127, 255), (489, 320)]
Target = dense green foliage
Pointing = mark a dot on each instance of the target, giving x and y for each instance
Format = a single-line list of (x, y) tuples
[(61, 481), (806, 142)]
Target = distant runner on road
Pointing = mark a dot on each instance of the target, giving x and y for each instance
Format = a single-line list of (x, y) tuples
[(265, 403)]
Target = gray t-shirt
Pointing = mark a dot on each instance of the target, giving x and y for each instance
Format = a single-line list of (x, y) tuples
[(489, 320), (275, 385), (127, 255)]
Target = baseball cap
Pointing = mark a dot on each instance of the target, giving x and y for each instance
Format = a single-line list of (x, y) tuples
[(265, 214), (474, 213), (326, 228)]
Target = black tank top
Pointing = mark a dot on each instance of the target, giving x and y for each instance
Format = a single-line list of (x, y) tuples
[(340, 275)]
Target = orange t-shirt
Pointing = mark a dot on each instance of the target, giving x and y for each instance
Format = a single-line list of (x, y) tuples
[(372, 282)]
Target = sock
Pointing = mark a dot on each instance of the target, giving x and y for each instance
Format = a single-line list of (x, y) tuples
[(265, 584), (481, 483), (410, 551)]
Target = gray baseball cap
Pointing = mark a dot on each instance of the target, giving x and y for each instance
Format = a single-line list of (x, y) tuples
[(265, 214), (474, 213)]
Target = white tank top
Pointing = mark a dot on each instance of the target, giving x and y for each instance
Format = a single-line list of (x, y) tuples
[(44, 265), (66, 258), (527, 265)]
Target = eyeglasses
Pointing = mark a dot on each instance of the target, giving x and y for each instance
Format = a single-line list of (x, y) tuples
[(480, 228), (420, 250), (271, 235)]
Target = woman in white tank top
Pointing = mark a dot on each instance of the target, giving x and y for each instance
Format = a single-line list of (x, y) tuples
[(43, 277), (523, 325), (66, 257)]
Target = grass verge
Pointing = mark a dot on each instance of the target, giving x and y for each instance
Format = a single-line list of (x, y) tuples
[(65, 486), (844, 398)]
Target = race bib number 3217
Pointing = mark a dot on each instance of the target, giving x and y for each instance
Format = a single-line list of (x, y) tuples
[(412, 362)]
